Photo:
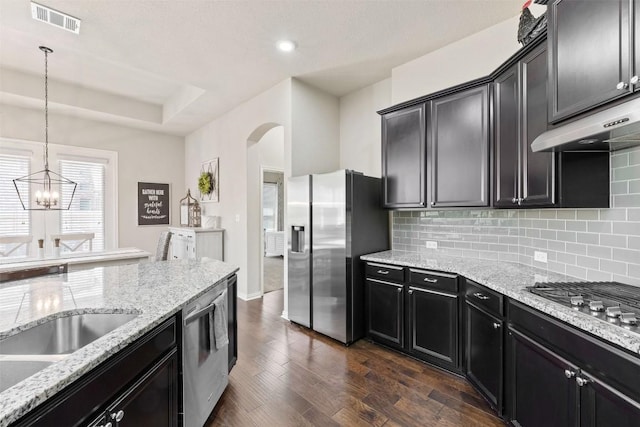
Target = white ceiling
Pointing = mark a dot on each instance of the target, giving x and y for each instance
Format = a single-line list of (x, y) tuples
[(172, 66)]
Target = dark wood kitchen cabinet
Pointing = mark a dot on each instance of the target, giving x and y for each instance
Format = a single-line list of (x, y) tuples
[(141, 381), (403, 158), (414, 311), (522, 177), (484, 342), (590, 45), (577, 379), (458, 149), (384, 296)]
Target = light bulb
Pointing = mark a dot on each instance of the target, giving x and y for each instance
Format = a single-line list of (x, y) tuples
[(286, 45)]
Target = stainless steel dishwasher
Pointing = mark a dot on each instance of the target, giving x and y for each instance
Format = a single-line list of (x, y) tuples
[(204, 366)]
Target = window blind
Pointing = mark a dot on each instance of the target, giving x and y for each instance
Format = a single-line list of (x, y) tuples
[(270, 206), (86, 214), (14, 220)]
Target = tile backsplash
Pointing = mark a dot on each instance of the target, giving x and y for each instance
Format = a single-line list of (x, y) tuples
[(589, 244)]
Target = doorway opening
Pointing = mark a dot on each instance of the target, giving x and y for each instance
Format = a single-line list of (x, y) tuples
[(273, 230)]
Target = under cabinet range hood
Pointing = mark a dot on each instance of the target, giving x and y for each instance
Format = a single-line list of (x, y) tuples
[(615, 128)]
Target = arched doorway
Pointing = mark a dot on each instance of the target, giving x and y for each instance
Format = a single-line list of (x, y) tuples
[(265, 158)]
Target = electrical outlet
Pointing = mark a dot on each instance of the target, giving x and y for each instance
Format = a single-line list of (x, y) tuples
[(432, 245), (540, 256)]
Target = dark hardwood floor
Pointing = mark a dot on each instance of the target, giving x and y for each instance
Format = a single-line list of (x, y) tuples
[(287, 375)]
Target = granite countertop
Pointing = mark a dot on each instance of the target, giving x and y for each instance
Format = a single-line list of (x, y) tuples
[(510, 279), (11, 264), (155, 290)]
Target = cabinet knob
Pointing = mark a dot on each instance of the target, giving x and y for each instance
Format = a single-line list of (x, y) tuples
[(496, 325), (582, 381), (399, 290), (383, 272), (410, 291), (514, 200), (569, 374), (118, 416), (634, 80), (426, 279), (622, 86), (480, 296), (433, 203)]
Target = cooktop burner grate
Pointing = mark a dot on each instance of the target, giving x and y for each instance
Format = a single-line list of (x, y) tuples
[(613, 291)]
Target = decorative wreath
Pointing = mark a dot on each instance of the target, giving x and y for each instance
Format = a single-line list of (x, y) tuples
[(205, 183)]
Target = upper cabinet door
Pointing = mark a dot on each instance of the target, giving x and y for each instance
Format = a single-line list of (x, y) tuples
[(590, 48), (459, 149), (506, 128), (403, 158), (538, 169)]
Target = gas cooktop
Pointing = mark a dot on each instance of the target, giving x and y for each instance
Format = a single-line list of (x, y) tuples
[(612, 302)]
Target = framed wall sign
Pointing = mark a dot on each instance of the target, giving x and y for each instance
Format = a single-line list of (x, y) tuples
[(153, 203)]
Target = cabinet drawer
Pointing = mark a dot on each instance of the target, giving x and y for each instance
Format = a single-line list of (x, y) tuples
[(485, 298), (386, 272), (430, 279)]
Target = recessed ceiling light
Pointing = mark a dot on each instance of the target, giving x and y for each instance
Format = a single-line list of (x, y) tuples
[(286, 45)]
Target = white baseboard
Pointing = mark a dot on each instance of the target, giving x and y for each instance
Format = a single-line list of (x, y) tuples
[(250, 297), (285, 315)]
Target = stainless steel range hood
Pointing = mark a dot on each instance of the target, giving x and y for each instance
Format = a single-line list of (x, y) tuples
[(612, 129)]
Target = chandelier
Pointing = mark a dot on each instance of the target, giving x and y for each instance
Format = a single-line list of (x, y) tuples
[(47, 183)]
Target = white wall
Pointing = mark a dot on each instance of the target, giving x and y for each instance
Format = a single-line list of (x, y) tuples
[(228, 138), (360, 125), (315, 119), (142, 156), (467, 59), (268, 153)]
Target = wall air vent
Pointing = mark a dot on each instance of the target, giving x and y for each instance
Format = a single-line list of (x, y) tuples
[(55, 18)]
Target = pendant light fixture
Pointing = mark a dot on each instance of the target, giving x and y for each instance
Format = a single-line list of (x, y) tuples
[(47, 184)]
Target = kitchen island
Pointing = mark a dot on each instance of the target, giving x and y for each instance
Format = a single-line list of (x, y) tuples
[(153, 291)]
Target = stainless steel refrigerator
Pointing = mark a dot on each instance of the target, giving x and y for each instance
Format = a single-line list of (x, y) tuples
[(334, 218)]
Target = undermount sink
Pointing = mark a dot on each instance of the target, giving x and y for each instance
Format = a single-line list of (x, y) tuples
[(29, 351), (63, 335)]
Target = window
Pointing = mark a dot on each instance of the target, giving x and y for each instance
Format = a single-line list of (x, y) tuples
[(86, 214), (14, 221), (94, 207), (270, 206)]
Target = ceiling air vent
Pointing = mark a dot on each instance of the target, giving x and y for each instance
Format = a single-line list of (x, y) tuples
[(55, 18)]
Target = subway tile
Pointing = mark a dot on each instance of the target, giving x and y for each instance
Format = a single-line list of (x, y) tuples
[(462, 245), (508, 240), (627, 255), (566, 214), (587, 214), (626, 201), (634, 186), (556, 267), (566, 258), (634, 157), (539, 223), (613, 240), (532, 213), (613, 214), (620, 187), (588, 238), (588, 262), (626, 173), (525, 223), (567, 236), (526, 260), (470, 254), (555, 224), (489, 255), (533, 232), (576, 248), (499, 248), (557, 246), (525, 241), (634, 271), (598, 276), (548, 234), (613, 267), (539, 243), (599, 252), (480, 246), (633, 214), (576, 225), (634, 243), (619, 161), (599, 227), (508, 257), (577, 272), (548, 214), (629, 228), (552, 255)]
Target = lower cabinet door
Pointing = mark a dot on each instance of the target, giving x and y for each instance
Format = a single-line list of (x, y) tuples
[(602, 405), (484, 349), (385, 312), (542, 389), (433, 326), (152, 400)]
